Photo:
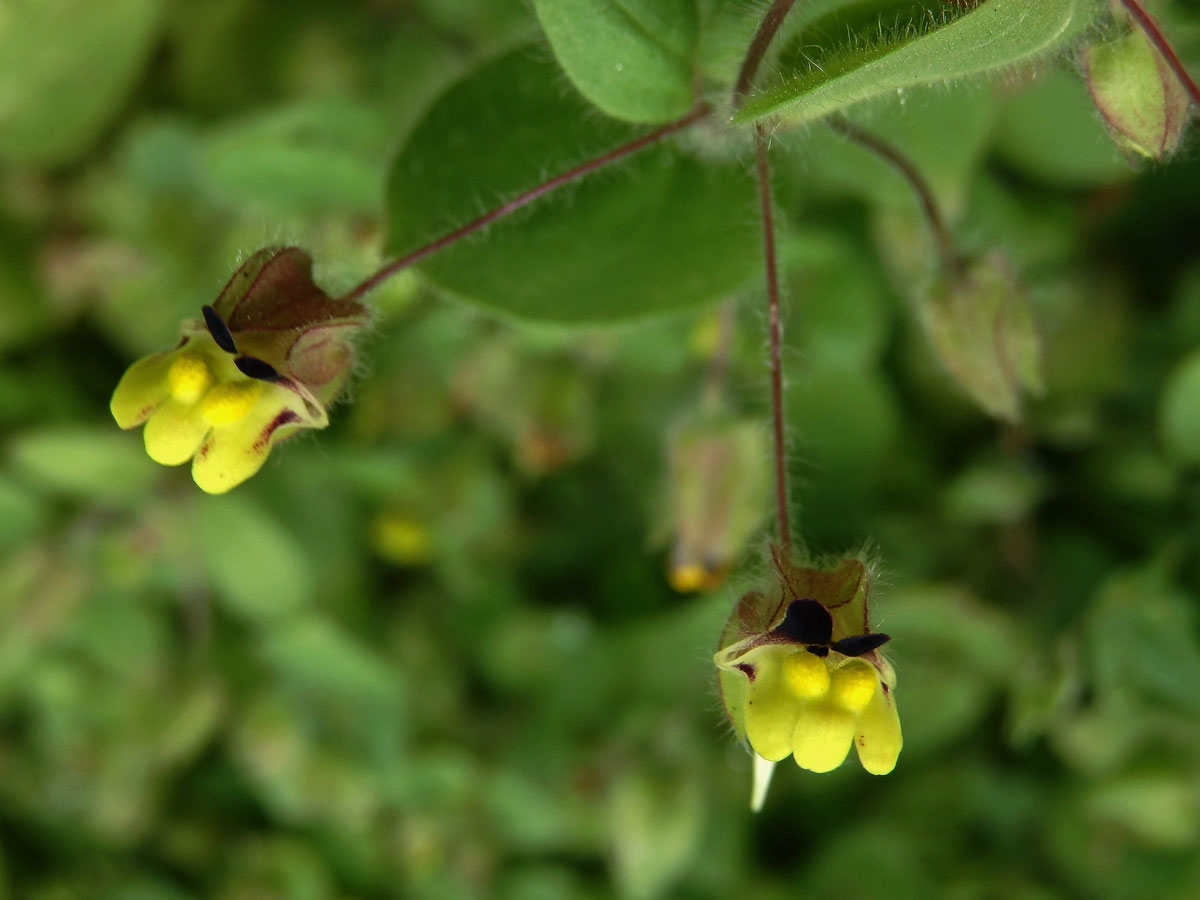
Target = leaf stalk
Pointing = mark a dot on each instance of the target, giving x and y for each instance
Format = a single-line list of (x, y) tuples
[(700, 111)]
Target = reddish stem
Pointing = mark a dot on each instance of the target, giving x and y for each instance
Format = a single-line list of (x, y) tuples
[(952, 261), (1150, 28), (534, 193), (758, 48), (775, 330)]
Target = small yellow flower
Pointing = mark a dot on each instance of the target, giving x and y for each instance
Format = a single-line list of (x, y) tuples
[(802, 676), (263, 363), (813, 709)]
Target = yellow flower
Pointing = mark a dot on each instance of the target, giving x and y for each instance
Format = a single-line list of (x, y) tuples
[(262, 363), (812, 708), (802, 676)]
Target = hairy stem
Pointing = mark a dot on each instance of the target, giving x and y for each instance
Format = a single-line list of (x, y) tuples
[(758, 48), (775, 331), (1150, 28), (370, 283), (952, 261)]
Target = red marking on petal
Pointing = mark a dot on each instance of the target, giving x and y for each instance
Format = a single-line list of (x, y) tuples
[(747, 670), (284, 418)]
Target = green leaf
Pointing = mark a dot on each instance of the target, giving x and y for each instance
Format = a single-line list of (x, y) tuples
[(311, 651), (20, 513), (1142, 638), (98, 463), (655, 829), (666, 231), (632, 58), (257, 568), (903, 54), (65, 68), (1049, 131), (313, 156), (1179, 412)]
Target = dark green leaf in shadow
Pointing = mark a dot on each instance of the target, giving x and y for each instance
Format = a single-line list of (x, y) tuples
[(666, 231)]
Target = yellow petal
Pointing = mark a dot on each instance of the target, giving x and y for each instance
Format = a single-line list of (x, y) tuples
[(822, 736), (231, 402), (174, 433), (771, 707), (854, 684), (806, 675), (141, 389), (189, 377), (879, 739), (235, 452)]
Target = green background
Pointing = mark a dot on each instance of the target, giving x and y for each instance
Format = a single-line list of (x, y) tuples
[(431, 652)]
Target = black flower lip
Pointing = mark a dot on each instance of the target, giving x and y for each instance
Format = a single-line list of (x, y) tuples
[(253, 367), (218, 329), (250, 366), (808, 622)]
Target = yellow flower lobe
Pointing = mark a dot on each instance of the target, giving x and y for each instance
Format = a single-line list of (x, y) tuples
[(822, 737), (230, 402), (854, 684), (188, 378), (806, 675)]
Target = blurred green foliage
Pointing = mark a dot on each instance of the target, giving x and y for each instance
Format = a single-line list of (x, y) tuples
[(427, 653)]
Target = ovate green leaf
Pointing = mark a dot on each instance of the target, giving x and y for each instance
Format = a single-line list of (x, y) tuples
[(82, 460), (632, 58), (256, 567), (65, 67), (662, 230)]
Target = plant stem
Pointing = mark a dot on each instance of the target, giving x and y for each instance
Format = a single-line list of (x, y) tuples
[(699, 112), (952, 260), (1150, 28), (775, 331), (758, 48)]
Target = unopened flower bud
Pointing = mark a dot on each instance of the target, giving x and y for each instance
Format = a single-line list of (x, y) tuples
[(264, 361), (718, 490), (980, 323), (1143, 103)]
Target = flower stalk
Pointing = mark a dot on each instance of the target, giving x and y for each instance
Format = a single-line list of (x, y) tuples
[(953, 263), (775, 331)]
